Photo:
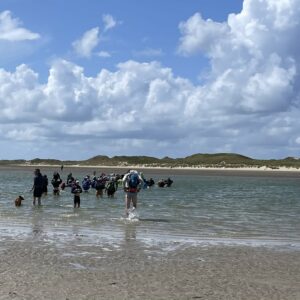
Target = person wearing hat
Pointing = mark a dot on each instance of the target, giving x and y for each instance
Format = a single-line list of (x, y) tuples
[(76, 190)]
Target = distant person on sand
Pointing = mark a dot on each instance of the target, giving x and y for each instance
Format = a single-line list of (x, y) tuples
[(61, 167), (76, 190), (132, 182), (38, 186)]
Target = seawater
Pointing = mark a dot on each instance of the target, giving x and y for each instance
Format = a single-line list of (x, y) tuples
[(196, 209)]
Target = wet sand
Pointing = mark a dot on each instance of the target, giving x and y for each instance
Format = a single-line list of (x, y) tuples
[(36, 269)]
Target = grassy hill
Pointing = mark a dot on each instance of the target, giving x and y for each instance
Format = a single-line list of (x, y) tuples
[(221, 159), (224, 160)]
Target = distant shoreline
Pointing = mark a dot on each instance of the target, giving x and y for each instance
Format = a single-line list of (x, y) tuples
[(198, 161), (166, 171), (263, 168)]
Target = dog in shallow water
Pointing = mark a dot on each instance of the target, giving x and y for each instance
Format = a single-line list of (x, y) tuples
[(18, 201)]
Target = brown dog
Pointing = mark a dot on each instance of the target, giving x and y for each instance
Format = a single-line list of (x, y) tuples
[(18, 201)]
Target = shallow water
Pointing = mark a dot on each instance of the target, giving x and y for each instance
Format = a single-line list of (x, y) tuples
[(197, 209)]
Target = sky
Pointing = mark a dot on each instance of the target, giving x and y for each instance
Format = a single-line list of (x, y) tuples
[(157, 78)]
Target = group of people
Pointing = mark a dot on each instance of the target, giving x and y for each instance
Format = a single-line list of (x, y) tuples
[(132, 183), (165, 182), (101, 184)]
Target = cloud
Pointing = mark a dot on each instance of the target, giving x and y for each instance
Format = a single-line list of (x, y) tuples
[(11, 30), (88, 42), (85, 46), (254, 58), (249, 102), (104, 54), (109, 22), (200, 35), (112, 105), (149, 52), (19, 95), (254, 77)]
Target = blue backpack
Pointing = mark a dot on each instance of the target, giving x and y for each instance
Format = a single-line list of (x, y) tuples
[(133, 180)]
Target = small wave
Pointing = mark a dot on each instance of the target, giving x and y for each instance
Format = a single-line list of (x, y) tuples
[(69, 215)]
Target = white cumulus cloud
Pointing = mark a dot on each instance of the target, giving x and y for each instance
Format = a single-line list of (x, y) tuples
[(109, 22), (200, 35), (11, 30), (87, 43), (254, 76), (249, 103), (110, 106), (254, 57)]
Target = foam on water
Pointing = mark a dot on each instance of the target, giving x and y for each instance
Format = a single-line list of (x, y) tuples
[(133, 215)]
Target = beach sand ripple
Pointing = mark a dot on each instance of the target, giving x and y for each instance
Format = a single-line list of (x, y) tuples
[(34, 269)]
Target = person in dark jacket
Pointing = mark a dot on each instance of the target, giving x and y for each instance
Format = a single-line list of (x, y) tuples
[(38, 186), (76, 190), (56, 181)]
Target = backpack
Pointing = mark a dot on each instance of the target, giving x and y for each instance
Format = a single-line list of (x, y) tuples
[(134, 180), (111, 187), (100, 184), (86, 184)]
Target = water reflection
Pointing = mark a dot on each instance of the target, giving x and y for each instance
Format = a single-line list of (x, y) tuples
[(37, 223), (130, 233)]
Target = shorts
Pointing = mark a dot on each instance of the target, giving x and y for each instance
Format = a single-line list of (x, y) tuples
[(111, 192), (131, 197), (76, 200), (56, 191), (37, 192)]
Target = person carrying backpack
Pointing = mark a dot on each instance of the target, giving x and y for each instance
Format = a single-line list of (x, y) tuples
[(56, 181), (100, 185), (111, 188), (132, 182)]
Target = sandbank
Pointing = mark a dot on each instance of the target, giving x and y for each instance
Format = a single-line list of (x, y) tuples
[(195, 168), (35, 269), (164, 171)]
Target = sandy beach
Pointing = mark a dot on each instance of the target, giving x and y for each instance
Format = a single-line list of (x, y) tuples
[(34, 269), (250, 171), (145, 167)]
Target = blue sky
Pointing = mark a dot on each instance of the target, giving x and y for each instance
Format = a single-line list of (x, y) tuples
[(82, 78), (143, 26)]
